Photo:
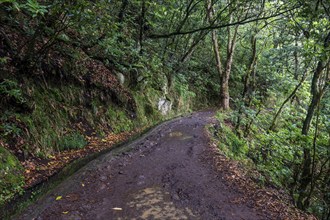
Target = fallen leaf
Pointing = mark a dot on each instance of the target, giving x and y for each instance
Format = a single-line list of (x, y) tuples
[(117, 209), (58, 198), (65, 212)]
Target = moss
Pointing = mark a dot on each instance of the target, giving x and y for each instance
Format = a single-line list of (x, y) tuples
[(11, 178), (228, 142), (119, 120), (147, 112)]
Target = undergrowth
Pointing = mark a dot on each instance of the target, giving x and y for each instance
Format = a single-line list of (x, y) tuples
[(276, 155), (247, 150), (11, 178), (228, 142)]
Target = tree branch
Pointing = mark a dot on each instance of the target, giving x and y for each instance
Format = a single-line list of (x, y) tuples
[(219, 26)]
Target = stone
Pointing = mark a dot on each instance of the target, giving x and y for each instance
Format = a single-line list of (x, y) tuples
[(164, 106)]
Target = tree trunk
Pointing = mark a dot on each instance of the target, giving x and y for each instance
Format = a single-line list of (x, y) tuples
[(318, 87), (122, 11), (246, 82), (224, 91), (142, 25), (293, 93), (224, 95), (317, 91), (224, 75), (250, 71), (210, 15)]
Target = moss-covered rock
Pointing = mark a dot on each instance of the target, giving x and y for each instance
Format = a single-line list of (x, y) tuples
[(11, 178)]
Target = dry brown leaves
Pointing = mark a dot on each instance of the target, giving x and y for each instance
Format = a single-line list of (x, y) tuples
[(264, 199), (38, 170)]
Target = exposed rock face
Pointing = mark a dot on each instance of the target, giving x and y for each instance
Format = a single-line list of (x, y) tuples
[(164, 106)]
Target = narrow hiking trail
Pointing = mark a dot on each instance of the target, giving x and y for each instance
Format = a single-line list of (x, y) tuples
[(166, 175)]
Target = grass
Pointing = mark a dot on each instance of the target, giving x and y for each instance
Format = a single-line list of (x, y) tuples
[(71, 141), (11, 178)]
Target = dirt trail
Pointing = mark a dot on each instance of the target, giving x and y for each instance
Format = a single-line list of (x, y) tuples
[(165, 176)]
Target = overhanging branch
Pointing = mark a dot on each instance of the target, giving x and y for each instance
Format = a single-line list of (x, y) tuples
[(219, 26)]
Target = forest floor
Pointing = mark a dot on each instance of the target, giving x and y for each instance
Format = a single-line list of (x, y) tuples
[(172, 172)]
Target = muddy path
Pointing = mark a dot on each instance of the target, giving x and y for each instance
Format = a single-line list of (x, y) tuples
[(165, 175)]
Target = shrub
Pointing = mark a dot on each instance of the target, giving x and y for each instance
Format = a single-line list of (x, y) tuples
[(11, 178), (72, 141), (10, 90)]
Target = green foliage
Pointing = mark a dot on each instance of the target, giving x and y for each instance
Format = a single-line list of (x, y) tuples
[(10, 89), (146, 104), (120, 121), (11, 178), (71, 142), (3, 60), (228, 142), (274, 154), (9, 130), (34, 8)]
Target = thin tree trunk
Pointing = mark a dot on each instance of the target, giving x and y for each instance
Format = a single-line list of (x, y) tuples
[(122, 11), (293, 93), (247, 84), (314, 177), (317, 91), (210, 15), (141, 28), (231, 43), (224, 95), (296, 68), (318, 87), (188, 11), (192, 47), (251, 69)]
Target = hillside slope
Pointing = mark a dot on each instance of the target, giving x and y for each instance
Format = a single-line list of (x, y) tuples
[(59, 99)]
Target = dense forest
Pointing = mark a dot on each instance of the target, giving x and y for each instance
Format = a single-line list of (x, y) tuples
[(71, 70)]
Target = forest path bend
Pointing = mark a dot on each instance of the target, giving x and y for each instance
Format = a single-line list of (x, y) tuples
[(166, 175)]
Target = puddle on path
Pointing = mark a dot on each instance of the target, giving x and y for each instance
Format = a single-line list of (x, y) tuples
[(179, 135), (155, 203)]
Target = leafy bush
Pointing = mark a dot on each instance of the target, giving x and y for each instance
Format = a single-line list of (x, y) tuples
[(9, 129), (119, 120), (11, 178), (10, 89), (229, 142), (72, 141)]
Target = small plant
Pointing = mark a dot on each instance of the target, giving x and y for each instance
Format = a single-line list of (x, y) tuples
[(72, 141), (3, 60), (34, 8), (120, 121), (9, 129), (233, 146), (11, 178), (10, 89)]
